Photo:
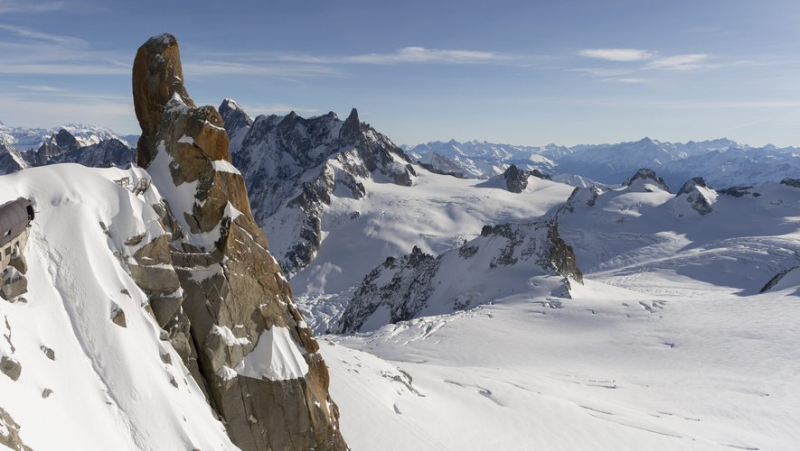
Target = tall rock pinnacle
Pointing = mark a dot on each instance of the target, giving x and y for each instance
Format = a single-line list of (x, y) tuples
[(255, 355)]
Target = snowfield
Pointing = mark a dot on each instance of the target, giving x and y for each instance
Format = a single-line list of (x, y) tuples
[(667, 346), (87, 383), (612, 368)]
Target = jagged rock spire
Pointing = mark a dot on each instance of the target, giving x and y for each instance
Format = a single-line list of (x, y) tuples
[(256, 357), (157, 78), (351, 128)]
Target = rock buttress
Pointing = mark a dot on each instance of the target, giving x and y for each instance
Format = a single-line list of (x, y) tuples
[(256, 356)]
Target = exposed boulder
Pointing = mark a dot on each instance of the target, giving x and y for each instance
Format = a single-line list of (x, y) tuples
[(10, 367), (503, 260), (648, 174), (257, 359), (49, 353), (118, 315)]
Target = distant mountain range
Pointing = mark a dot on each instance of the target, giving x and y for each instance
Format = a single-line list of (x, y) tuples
[(25, 138), (721, 162), (22, 148)]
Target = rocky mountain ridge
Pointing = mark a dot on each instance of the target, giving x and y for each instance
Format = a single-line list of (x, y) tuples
[(503, 259), (294, 167)]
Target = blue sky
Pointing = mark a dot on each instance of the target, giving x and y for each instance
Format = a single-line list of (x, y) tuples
[(521, 72)]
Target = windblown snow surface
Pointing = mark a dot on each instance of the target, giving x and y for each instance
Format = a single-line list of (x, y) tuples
[(667, 346), (106, 387)]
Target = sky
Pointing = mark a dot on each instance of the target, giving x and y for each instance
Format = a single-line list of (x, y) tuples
[(520, 72)]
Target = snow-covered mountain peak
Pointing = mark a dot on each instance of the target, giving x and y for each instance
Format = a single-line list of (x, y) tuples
[(691, 185), (237, 122), (694, 194), (644, 178)]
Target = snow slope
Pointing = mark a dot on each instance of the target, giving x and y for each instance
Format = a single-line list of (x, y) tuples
[(612, 368), (112, 387)]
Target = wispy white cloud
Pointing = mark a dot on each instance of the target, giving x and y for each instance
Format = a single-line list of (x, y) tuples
[(634, 62), (29, 51), (621, 55), (679, 62), (628, 80), (298, 66), (28, 33), (40, 88), (29, 6), (405, 55)]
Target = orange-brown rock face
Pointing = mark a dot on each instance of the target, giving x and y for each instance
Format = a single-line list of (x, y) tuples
[(255, 355)]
